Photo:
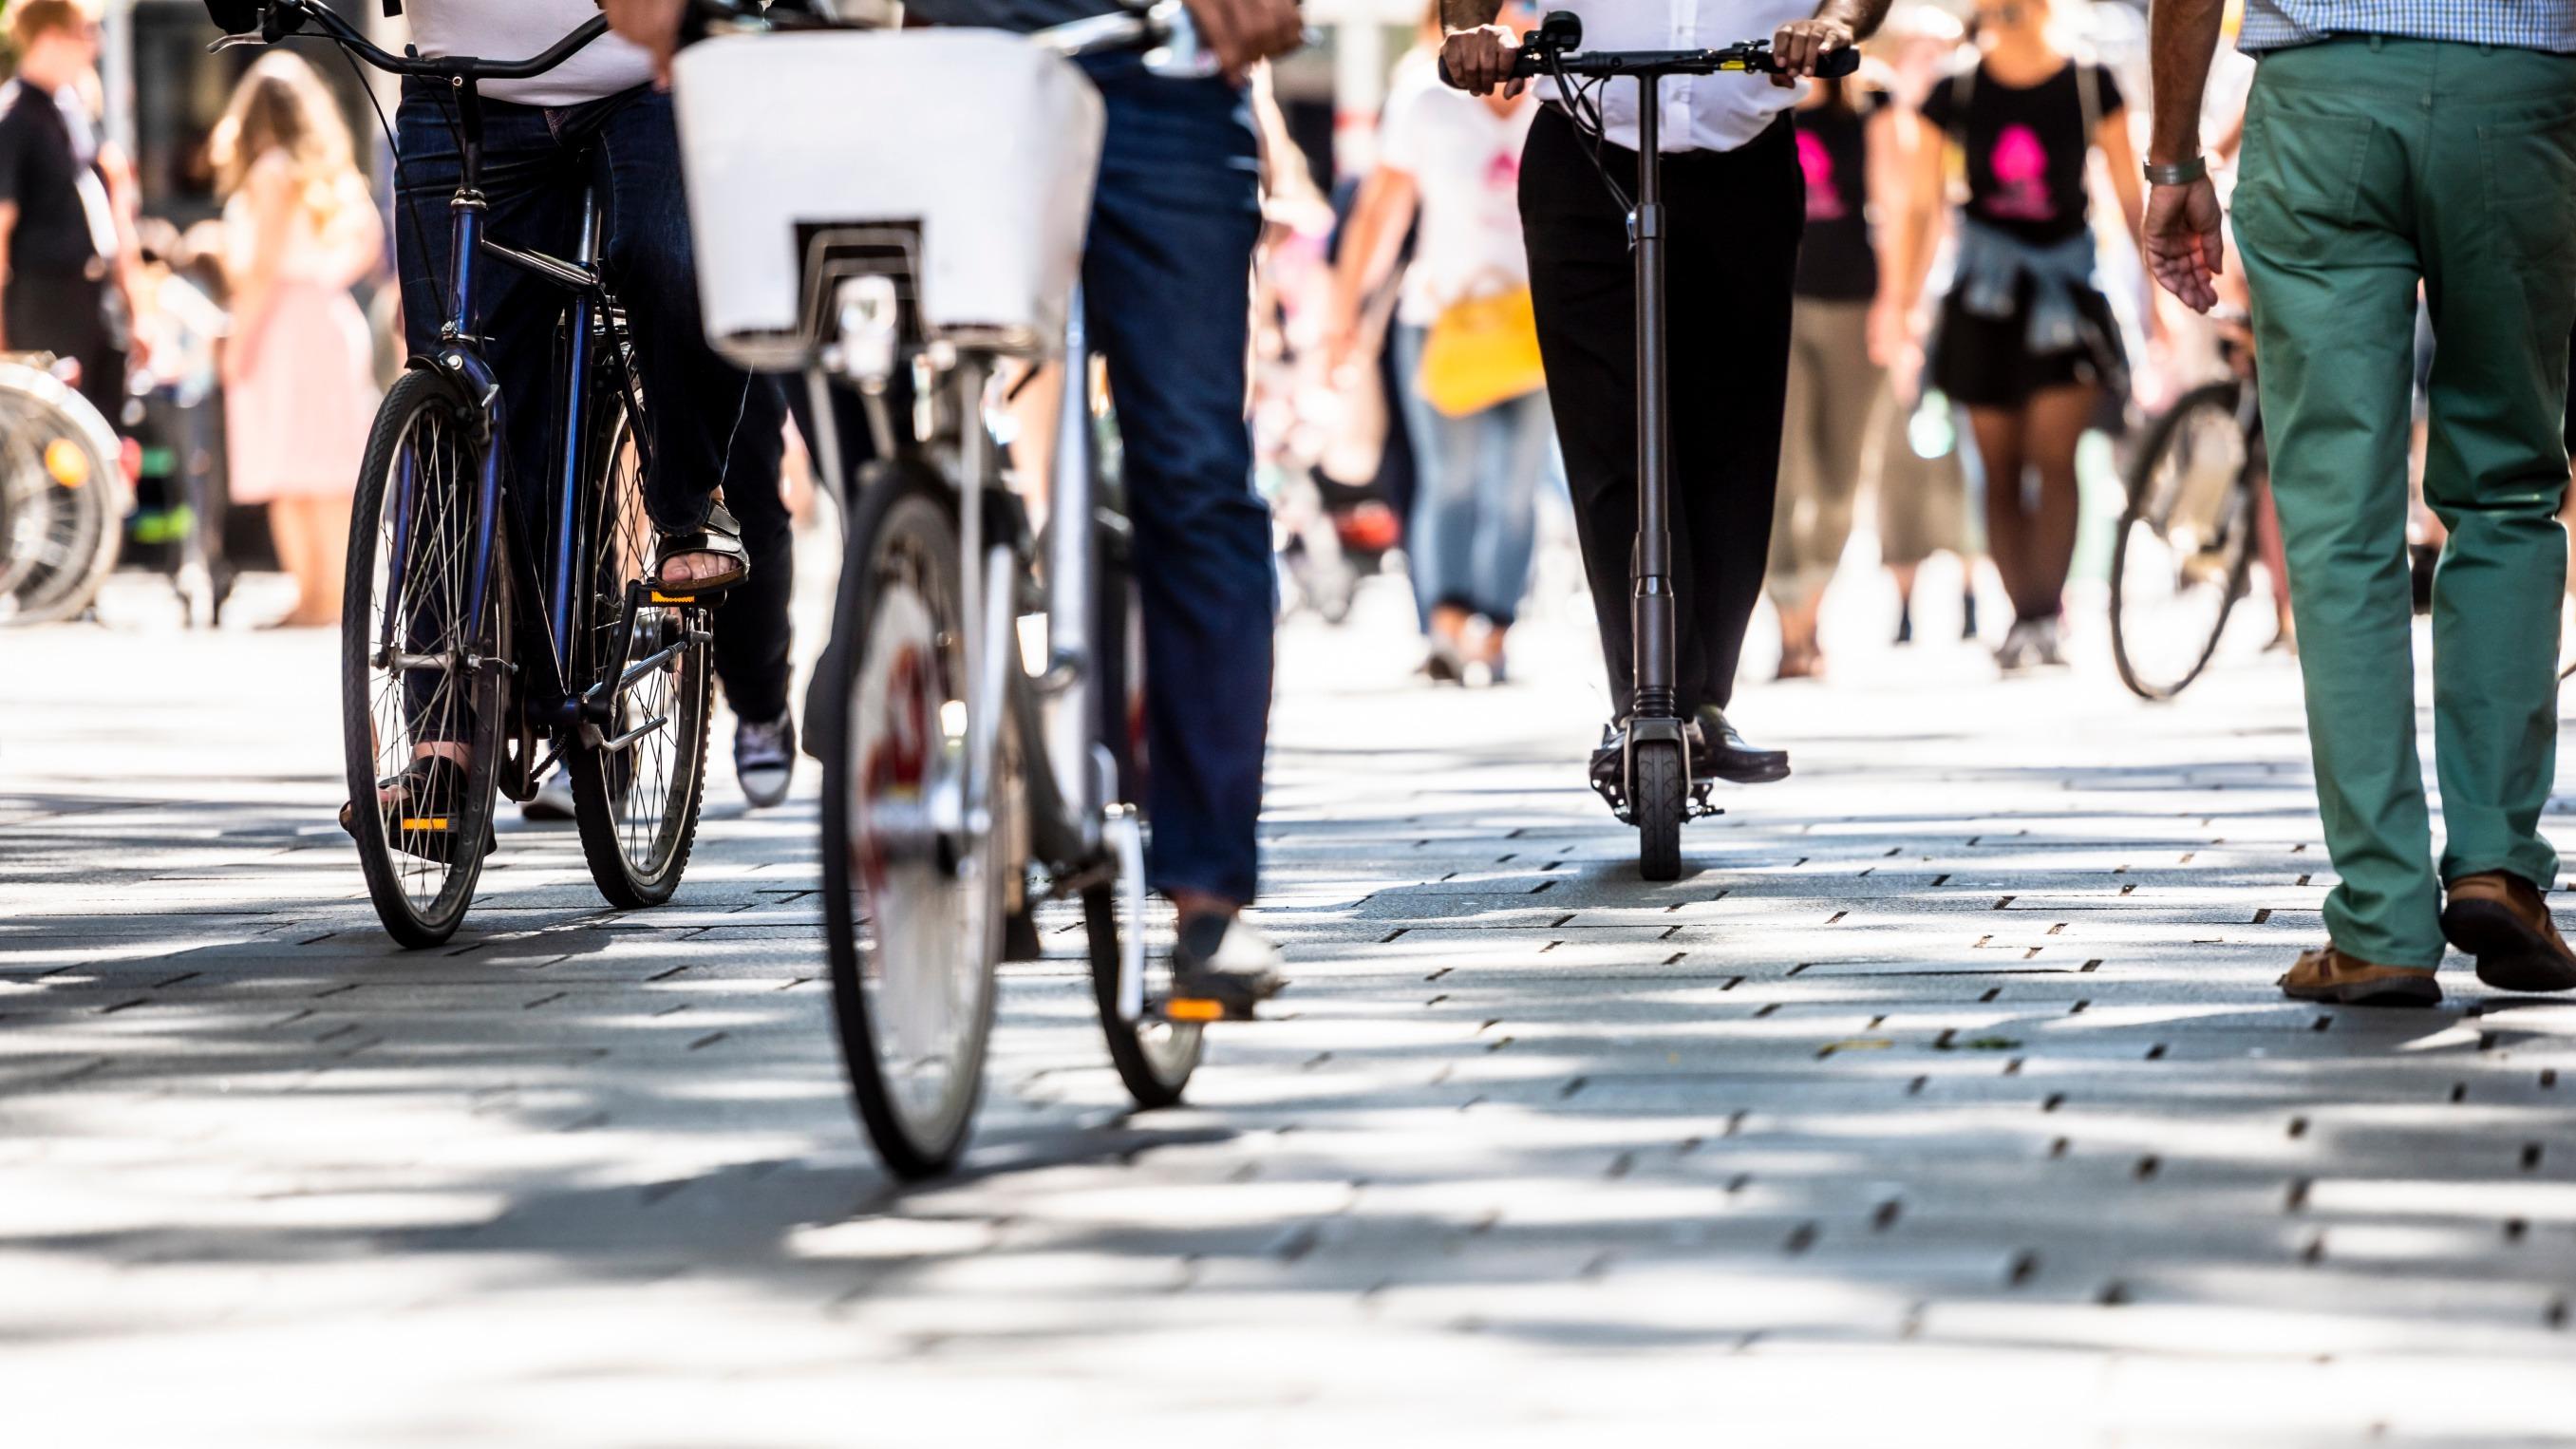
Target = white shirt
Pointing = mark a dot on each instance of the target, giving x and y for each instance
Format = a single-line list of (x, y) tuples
[(518, 29), (1701, 113), (1466, 165)]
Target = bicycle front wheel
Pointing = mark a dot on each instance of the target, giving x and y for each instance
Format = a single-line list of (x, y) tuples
[(421, 674), (2185, 542), (913, 894), (637, 786)]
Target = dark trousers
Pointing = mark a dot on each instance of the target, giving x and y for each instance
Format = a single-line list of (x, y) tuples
[(1733, 220), (713, 425), (1167, 275), (69, 314)]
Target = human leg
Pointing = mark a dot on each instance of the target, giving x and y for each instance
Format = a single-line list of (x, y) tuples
[(1170, 253), (1999, 431), (1583, 290), (2500, 282), (2053, 422), (727, 429), (1736, 220), (2326, 226)]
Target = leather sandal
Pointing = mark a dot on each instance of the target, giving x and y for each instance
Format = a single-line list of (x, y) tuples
[(430, 791), (2327, 974), (2502, 919), (721, 536)]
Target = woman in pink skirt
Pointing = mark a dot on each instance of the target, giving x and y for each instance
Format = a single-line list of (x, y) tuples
[(299, 391)]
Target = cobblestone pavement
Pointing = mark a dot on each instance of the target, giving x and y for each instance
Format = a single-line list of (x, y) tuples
[(1947, 1101)]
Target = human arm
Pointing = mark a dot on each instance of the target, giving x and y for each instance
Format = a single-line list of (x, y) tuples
[(1799, 46), (256, 235), (1893, 133), (1372, 239), (1926, 197), (1477, 55), (2181, 223)]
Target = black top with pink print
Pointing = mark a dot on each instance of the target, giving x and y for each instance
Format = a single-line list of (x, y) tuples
[(2026, 148), (1835, 259)]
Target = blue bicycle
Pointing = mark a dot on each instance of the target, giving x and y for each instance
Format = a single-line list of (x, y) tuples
[(442, 707)]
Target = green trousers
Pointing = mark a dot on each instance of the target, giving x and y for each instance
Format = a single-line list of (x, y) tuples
[(2372, 165)]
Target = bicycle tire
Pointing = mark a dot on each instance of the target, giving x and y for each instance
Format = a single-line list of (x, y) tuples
[(636, 807), (428, 428), (1661, 802), (64, 536), (2216, 399), (896, 658)]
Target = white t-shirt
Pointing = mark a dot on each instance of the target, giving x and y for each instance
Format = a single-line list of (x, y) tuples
[(518, 29), (1701, 113), (1466, 163)]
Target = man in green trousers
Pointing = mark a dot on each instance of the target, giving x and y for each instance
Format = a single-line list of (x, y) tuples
[(2390, 143)]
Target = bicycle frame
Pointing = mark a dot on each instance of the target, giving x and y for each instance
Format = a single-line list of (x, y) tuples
[(459, 354)]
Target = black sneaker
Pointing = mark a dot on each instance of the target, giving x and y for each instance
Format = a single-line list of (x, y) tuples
[(764, 758), (1222, 969)]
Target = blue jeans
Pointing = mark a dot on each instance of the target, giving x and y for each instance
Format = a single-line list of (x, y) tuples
[(712, 423), (1167, 277), (1475, 508)]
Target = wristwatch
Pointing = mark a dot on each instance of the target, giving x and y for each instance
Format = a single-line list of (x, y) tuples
[(2181, 173)]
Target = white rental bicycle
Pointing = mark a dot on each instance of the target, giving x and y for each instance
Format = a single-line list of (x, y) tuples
[(978, 711)]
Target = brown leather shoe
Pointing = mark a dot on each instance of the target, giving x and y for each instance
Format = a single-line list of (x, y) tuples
[(2327, 974), (2501, 919)]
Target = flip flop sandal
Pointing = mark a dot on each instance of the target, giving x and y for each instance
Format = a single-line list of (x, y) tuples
[(721, 536), (430, 790)]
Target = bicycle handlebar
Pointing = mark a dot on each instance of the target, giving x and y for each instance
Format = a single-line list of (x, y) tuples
[(279, 19), (1556, 48)]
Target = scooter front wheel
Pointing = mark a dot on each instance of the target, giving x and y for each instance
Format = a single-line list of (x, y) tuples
[(1660, 801)]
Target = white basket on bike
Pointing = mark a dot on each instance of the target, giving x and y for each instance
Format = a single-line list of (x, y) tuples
[(958, 162)]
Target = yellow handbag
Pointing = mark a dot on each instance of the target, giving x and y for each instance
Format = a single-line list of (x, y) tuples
[(1481, 352)]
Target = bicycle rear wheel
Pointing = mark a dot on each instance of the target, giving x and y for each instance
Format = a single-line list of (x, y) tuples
[(2185, 542), (417, 675), (913, 898), (637, 786)]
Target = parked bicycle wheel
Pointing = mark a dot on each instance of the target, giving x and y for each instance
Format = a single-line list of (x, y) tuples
[(422, 684), (637, 788), (913, 892), (65, 503), (2185, 542), (1154, 1057)]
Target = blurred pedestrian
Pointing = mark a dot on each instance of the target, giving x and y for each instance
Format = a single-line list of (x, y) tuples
[(1475, 404), (2431, 142), (2026, 339), (1922, 480), (299, 380), (60, 283), (1854, 149)]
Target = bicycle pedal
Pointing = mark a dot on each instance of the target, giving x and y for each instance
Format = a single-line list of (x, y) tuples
[(1193, 1011)]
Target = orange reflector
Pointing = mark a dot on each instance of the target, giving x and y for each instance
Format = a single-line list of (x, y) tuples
[(662, 598), (1181, 1010), (65, 460), (424, 822)]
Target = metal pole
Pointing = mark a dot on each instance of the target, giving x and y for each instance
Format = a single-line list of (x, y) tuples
[(1652, 618)]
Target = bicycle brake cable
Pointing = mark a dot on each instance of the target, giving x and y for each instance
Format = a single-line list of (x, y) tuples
[(406, 209)]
